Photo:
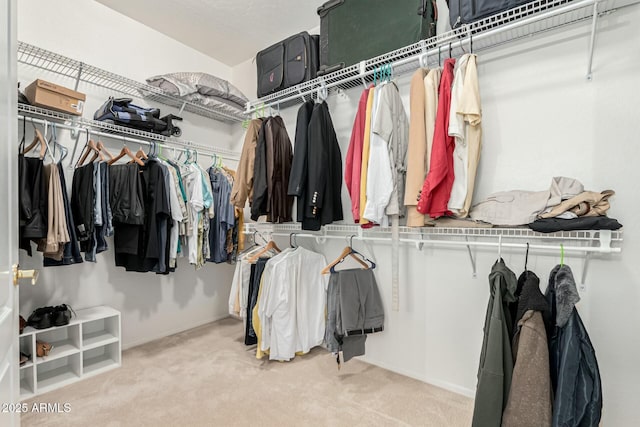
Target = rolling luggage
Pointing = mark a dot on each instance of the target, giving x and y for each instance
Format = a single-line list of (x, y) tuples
[(287, 63), (467, 11), (354, 30)]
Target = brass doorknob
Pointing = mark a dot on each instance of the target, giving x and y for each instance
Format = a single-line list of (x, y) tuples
[(24, 274)]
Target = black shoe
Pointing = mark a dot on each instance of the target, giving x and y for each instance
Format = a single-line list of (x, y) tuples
[(61, 315), (41, 318)]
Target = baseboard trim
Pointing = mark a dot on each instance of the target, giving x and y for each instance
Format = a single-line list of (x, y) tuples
[(412, 374), (166, 333)]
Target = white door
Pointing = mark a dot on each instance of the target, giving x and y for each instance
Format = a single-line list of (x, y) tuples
[(9, 346)]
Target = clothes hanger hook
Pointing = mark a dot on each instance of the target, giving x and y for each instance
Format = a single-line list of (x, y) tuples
[(561, 254), (499, 247), (526, 257)]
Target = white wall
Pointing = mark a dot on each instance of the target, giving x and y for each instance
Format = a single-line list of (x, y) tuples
[(152, 306), (541, 118)]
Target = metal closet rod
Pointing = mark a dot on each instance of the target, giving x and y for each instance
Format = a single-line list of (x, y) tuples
[(180, 147), (418, 242)]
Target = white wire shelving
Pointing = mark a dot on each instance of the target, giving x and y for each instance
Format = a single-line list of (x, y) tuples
[(81, 72), (44, 116), (585, 243), (525, 21)]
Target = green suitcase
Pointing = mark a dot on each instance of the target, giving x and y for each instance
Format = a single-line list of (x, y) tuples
[(354, 30)]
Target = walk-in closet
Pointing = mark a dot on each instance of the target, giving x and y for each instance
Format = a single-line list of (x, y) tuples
[(319, 213)]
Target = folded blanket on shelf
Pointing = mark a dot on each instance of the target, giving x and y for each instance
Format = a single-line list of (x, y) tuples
[(183, 84), (551, 225)]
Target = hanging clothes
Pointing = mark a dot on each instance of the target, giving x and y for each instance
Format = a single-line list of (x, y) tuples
[(470, 107), (417, 149), (292, 304), (353, 166), (224, 219), (272, 169), (127, 205), (257, 270), (391, 124), (33, 202), (152, 237), (83, 204), (496, 359), (575, 375), (436, 189), (57, 235), (71, 251), (379, 174), (324, 182), (530, 400), (244, 182), (364, 170), (300, 164), (354, 311), (456, 129)]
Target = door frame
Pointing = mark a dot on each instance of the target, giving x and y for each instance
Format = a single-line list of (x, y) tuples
[(9, 210)]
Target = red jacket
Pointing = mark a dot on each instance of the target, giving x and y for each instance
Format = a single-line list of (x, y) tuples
[(436, 189), (354, 156)]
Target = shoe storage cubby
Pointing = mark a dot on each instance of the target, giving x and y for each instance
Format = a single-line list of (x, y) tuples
[(89, 345)]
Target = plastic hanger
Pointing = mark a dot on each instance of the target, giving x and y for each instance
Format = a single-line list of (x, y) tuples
[(292, 240), (561, 254), (56, 145), (349, 251), (271, 245), (500, 248), (526, 260)]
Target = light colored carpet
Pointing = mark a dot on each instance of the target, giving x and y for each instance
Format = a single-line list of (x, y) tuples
[(208, 377)]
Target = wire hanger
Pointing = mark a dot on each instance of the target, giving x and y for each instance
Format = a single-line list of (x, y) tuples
[(349, 251), (526, 260)]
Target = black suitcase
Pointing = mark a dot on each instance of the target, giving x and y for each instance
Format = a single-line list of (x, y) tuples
[(354, 30), (287, 63), (468, 11)]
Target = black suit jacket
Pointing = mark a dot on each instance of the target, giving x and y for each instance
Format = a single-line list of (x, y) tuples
[(299, 172), (324, 186)]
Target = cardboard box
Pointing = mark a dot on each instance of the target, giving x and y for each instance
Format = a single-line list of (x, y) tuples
[(48, 95)]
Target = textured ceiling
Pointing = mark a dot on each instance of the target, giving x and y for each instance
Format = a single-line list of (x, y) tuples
[(230, 31)]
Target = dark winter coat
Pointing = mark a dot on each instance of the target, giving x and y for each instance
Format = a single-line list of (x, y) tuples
[(496, 360), (574, 369), (530, 401)]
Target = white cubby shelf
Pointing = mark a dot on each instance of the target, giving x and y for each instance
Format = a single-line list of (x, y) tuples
[(89, 345)]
